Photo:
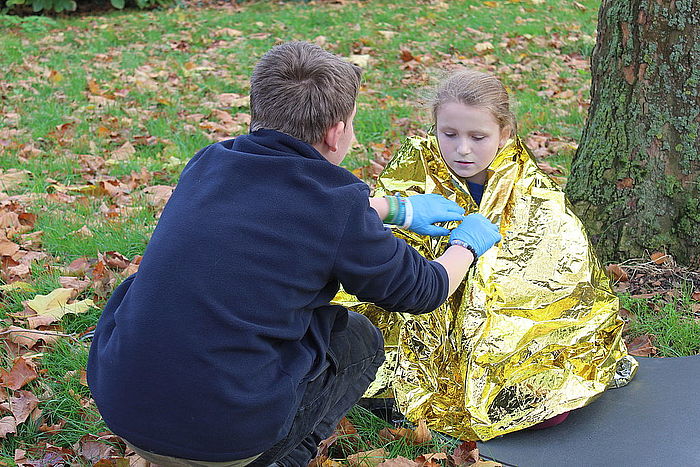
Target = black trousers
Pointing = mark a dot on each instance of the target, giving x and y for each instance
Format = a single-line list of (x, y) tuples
[(354, 356)]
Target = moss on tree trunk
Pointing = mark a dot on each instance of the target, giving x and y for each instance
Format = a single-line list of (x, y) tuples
[(635, 179)]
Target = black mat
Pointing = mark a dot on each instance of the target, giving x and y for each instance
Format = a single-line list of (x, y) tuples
[(653, 421)]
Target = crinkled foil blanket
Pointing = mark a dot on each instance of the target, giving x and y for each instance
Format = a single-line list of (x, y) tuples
[(532, 332)]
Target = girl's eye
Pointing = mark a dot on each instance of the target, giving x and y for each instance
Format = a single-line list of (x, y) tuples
[(478, 138), (448, 134)]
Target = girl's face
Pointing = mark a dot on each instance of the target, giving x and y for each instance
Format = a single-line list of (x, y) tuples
[(469, 138)]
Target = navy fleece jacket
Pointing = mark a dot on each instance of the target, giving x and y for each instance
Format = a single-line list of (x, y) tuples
[(205, 352)]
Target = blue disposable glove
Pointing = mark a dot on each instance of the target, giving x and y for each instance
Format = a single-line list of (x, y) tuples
[(429, 209), (477, 232)]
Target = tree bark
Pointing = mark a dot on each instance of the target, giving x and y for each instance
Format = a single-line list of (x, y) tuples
[(635, 178)]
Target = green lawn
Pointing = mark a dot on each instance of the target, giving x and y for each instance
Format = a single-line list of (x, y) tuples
[(95, 111)]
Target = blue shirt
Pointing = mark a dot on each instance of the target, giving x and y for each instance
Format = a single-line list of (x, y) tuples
[(477, 192), (205, 352)]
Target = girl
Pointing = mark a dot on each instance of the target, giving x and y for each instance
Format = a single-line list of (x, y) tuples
[(533, 333)]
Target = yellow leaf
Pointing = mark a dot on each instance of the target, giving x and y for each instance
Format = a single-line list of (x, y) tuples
[(55, 304), (361, 60), (19, 285), (55, 76)]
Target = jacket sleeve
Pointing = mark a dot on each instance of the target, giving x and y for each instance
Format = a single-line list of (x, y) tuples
[(377, 267)]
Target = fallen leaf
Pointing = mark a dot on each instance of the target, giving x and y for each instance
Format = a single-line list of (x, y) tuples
[(92, 449), (71, 282), (323, 461), (361, 60), (431, 459), (22, 372), (158, 195), (659, 257), (617, 273), (52, 429), (112, 462), (29, 339), (22, 404), (83, 232), (466, 453), (8, 248), (400, 462), (484, 47), (115, 260), (7, 426), (18, 285), (78, 267), (367, 458), (228, 32), (12, 178), (642, 346), (422, 433), (124, 152), (56, 304)]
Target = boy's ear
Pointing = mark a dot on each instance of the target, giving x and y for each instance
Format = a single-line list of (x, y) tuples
[(333, 134)]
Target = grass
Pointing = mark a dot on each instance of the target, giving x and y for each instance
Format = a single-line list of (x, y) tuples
[(675, 327), (86, 85)]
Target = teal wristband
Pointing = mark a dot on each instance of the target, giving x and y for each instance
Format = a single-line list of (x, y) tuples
[(393, 210)]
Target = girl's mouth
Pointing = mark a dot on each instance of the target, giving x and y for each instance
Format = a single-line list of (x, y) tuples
[(464, 162)]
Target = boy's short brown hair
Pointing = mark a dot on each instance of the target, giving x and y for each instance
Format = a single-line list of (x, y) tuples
[(302, 90)]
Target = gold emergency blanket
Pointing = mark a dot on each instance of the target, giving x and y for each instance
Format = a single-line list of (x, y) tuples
[(532, 332)]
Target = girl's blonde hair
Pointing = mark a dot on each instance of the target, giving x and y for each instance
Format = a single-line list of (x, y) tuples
[(476, 89)]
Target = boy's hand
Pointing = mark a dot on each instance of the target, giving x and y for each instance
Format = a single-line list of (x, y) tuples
[(429, 209), (477, 232)]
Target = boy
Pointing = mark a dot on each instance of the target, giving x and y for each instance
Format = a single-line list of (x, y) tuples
[(224, 349)]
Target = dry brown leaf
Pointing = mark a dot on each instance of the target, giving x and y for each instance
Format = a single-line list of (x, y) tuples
[(21, 373), (7, 426), (422, 433), (400, 462), (12, 178), (78, 267), (22, 404), (34, 322), (617, 273), (484, 47), (8, 248), (659, 257), (52, 429), (158, 195), (367, 458), (123, 153), (115, 260), (642, 346), (466, 453), (70, 282), (92, 449), (83, 232), (29, 339)]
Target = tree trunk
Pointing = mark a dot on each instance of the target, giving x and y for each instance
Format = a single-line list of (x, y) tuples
[(635, 179)]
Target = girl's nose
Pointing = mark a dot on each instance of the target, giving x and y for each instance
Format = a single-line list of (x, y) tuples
[(463, 147)]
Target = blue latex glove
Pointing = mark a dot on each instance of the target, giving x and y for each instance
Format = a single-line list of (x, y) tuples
[(478, 232), (429, 209)]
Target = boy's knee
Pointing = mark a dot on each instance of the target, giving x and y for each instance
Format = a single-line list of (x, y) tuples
[(368, 333)]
